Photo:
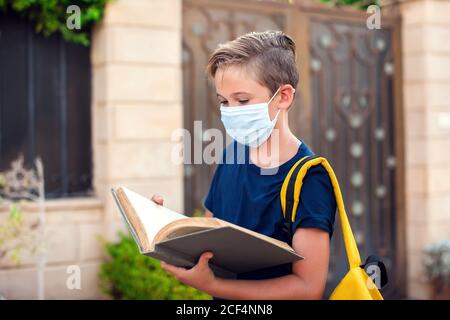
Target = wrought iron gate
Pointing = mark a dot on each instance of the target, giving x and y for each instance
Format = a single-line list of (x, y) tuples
[(349, 110)]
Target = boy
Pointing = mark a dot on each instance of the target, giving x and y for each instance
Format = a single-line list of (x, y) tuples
[(255, 77)]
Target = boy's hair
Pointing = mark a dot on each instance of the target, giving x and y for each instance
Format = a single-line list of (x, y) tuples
[(269, 54)]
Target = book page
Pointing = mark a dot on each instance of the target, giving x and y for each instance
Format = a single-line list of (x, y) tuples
[(153, 216)]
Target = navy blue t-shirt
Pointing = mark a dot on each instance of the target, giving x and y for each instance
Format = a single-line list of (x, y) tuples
[(249, 196)]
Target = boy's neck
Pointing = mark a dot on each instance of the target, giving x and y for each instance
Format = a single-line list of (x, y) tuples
[(281, 146)]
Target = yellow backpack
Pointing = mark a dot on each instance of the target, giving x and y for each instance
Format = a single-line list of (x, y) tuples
[(357, 284)]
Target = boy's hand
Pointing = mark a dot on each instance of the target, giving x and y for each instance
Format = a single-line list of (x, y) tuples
[(157, 199), (199, 276)]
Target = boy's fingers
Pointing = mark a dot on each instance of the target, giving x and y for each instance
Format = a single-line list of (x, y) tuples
[(157, 199), (171, 268), (204, 258)]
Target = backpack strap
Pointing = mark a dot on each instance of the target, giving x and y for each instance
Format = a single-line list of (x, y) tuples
[(289, 202), (290, 197)]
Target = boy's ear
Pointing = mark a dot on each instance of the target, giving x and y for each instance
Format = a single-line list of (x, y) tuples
[(286, 96)]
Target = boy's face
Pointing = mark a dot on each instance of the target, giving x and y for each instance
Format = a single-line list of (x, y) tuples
[(237, 86)]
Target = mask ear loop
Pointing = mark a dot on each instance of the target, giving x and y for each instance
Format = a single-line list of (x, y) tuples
[(276, 116), (274, 95), (276, 92)]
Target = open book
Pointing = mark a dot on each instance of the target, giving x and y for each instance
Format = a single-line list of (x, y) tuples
[(180, 240)]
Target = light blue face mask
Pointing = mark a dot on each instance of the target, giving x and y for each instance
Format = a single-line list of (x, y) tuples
[(249, 124)]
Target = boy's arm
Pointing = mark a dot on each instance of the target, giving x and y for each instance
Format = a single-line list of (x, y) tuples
[(307, 280)]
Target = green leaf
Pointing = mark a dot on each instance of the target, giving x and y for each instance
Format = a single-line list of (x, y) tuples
[(50, 16), (15, 214), (129, 275), (16, 256)]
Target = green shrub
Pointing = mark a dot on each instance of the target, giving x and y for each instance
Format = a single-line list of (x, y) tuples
[(359, 4), (50, 16), (130, 275)]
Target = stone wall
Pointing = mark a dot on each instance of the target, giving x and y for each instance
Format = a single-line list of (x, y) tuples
[(136, 105), (136, 64), (426, 96), (72, 231)]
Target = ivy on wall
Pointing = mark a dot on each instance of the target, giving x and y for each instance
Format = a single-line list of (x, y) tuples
[(360, 4), (53, 16)]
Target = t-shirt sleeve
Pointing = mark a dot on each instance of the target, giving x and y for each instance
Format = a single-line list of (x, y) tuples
[(317, 206), (209, 200)]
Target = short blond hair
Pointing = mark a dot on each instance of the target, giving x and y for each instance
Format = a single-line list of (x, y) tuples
[(270, 54)]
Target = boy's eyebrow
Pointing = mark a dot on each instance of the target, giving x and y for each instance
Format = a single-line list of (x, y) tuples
[(233, 94)]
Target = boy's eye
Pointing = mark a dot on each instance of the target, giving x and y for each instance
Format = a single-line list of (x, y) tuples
[(240, 101)]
